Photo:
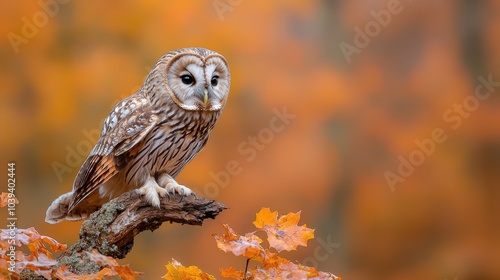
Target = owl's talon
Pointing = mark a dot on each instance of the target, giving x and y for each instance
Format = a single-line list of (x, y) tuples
[(153, 192), (181, 190), (135, 144)]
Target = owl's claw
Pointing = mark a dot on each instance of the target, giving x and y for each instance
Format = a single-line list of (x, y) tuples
[(171, 186), (175, 188), (152, 192)]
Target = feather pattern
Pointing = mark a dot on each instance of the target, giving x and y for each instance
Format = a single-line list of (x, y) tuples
[(149, 137)]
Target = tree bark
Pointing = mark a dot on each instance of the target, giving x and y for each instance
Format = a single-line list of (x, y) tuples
[(111, 229)]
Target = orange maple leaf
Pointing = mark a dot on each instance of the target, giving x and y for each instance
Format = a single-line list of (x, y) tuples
[(283, 233), (39, 259), (111, 267), (175, 271), (289, 270), (283, 271), (240, 245), (230, 272), (272, 259)]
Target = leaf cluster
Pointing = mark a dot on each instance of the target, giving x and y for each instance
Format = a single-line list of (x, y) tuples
[(34, 252), (282, 233)]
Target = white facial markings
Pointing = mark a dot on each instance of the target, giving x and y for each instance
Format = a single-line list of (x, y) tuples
[(197, 72), (190, 94), (210, 69)]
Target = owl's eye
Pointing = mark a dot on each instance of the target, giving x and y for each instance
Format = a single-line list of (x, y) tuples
[(214, 81), (187, 79)]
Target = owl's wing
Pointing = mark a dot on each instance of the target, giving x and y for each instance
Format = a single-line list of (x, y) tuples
[(131, 120)]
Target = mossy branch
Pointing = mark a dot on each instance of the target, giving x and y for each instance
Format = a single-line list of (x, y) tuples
[(111, 230)]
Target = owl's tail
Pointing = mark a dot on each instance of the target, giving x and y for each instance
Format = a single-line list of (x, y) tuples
[(58, 210)]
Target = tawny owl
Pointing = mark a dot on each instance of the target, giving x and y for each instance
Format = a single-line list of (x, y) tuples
[(151, 135)]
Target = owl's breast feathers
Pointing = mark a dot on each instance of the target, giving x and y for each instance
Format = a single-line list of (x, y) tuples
[(175, 140), (151, 135), (141, 139)]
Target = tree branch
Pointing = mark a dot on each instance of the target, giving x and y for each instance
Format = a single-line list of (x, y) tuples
[(111, 229)]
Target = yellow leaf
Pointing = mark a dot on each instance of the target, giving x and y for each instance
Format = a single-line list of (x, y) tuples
[(265, 218), (230, 272), (247, 245), (283, 233), (175, 271)]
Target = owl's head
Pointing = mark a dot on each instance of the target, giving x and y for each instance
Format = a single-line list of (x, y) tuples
[(196, 79)]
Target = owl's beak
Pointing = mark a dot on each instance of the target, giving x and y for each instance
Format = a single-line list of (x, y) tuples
[(205, 97)]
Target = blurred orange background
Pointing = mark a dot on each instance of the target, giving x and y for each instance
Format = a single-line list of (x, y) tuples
[(367, 83)]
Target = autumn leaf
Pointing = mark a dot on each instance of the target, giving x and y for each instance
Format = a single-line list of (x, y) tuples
[(283, 271), (39, 256), (109, 268), (240, 245), (283, 233), (4, 199), (231, 273), (36, 243), (175, 271), (265, 218), (292, 271), (123, 271), (63, 273), (312, 273), (272, 259), (41, 265)]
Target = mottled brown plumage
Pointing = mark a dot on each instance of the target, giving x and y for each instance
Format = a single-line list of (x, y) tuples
[(150, 136)]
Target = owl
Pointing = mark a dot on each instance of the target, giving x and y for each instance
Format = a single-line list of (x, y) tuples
[(150, 136)]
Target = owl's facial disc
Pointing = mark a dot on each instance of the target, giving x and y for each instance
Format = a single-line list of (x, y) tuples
[(198, 83)]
